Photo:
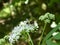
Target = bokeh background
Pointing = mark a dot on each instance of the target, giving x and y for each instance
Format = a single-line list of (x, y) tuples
[(14, 11)]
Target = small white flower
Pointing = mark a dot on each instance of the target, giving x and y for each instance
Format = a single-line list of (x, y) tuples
[(22, 23), (35, 23), (26, 2), (17, 37), (11, 40), (53, 25), (55, 33)]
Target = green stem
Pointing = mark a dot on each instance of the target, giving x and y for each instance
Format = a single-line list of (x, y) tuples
[(31, 42), (41, 37)]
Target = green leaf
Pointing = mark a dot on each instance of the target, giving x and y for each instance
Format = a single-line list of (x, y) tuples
[(5, 12), (50, 42), (57, 36), (51, 32)]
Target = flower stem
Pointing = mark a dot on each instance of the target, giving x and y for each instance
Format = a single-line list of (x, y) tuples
[(31, 42), (41, 37)]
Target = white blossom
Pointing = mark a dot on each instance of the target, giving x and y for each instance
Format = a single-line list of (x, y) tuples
[(35, 23), (53, 25), (26, 2), (55, 33), (16, 32)]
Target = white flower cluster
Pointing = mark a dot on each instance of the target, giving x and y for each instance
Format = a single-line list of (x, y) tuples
[(16, 32), (47, 17)]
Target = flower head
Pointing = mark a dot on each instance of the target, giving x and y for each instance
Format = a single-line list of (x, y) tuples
[(24, 25)]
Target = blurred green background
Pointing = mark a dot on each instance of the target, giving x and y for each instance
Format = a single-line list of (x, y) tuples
[(14, 11)]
